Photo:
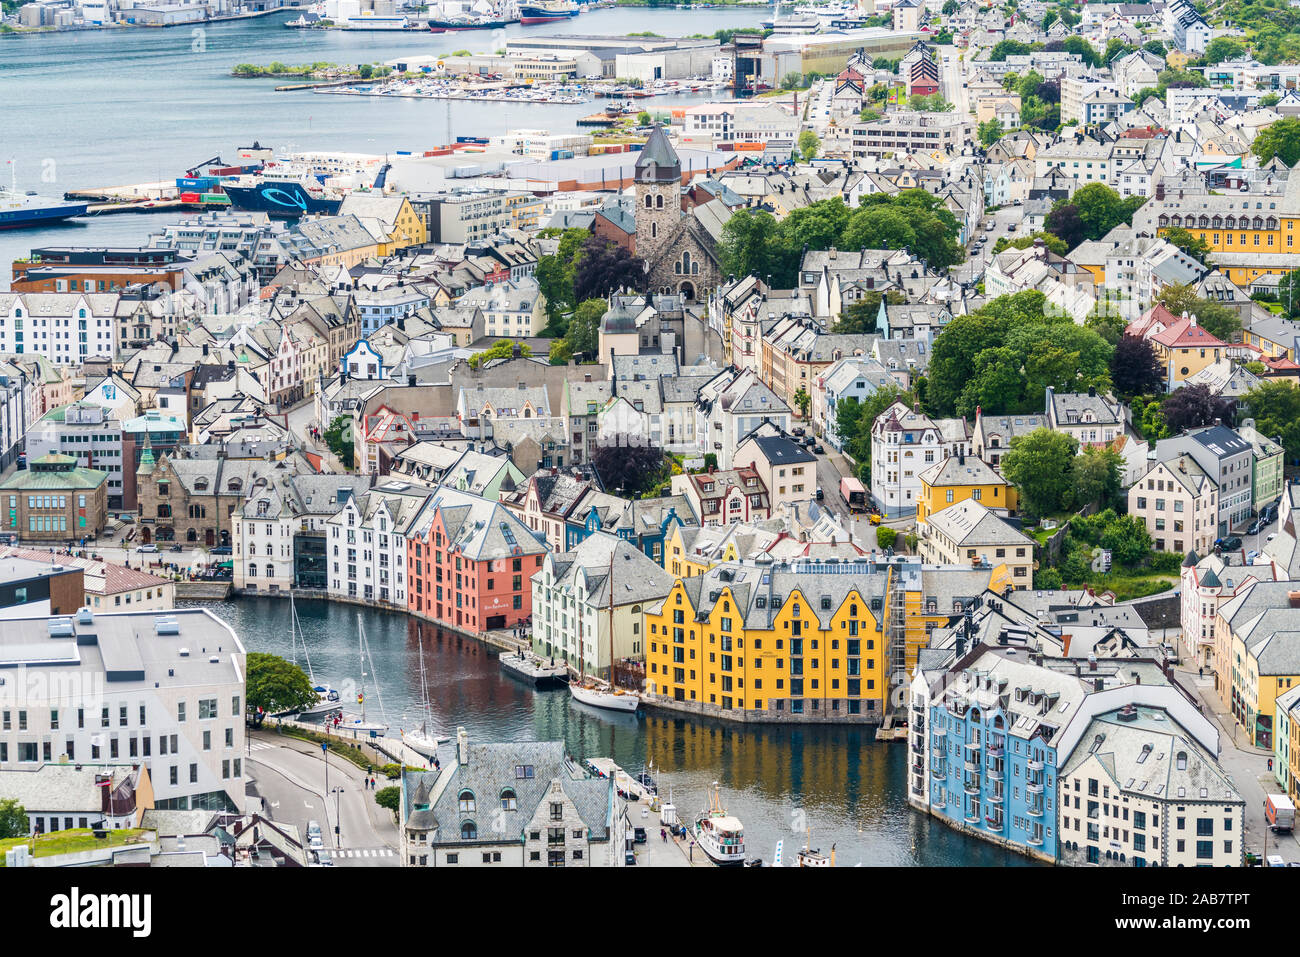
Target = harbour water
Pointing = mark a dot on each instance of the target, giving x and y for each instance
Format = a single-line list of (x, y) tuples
[(106, 108), (779, 780)]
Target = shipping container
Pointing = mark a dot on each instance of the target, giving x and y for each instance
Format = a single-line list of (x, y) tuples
[(189, 197), (216, 199)]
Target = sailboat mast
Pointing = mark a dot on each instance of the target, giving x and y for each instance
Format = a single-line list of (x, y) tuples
[(610, 585)]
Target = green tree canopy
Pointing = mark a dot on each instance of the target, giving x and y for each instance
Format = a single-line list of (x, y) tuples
[(1282, 140), (499, 350), (1039, 465), (276, 685), (1275, 407)]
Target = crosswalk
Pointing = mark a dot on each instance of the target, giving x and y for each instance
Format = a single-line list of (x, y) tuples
[(365, 852), (260, 746)]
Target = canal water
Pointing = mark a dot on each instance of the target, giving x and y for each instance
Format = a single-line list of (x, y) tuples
[(778, 780), (107, 108)]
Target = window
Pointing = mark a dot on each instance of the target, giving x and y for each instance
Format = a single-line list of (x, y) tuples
[(466, 802), (508, 800)]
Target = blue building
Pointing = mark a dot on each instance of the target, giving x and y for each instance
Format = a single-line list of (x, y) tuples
[(646, 523)]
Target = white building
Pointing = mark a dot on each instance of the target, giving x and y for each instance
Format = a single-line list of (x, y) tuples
[(66, 327), (576, 603), (367, 543), (733, 404), (904, 443), (165, 690)]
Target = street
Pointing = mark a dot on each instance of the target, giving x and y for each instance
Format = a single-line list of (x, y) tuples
[(290, 776)]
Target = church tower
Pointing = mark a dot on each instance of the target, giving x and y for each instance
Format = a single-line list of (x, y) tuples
[(658, 180)]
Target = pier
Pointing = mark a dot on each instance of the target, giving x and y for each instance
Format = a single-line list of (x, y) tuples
[(528, 667)]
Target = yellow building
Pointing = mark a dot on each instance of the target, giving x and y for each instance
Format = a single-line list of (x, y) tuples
[(760, 642), (755, 642), (959, 477), (1251, 234), (1257, 654), (394, 216)]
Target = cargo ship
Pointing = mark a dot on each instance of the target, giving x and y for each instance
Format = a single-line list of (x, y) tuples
[(547, 11), (20, 211)]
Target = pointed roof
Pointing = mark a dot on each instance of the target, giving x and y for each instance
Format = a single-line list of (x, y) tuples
[(147, 462), (1191, 559), (658, 162)]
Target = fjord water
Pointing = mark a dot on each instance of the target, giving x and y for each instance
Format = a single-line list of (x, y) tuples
[(107, 108), (779, 780)]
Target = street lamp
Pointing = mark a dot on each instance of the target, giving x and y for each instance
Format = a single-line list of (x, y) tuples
[(337, 820)]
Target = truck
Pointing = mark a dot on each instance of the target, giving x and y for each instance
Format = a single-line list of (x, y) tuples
[(1280, 812), (854, 495)]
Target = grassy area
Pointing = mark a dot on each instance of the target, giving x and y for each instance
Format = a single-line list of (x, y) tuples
[(343, 749), (1127, 587), (71, 842)]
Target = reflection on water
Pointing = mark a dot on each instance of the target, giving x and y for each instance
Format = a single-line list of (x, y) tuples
[(779, 780)]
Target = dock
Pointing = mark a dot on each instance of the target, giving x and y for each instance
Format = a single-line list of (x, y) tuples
[(642, 810), (528, 667)]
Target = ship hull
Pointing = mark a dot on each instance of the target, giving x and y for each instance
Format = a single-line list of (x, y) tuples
[(281, 200), (41, 216)]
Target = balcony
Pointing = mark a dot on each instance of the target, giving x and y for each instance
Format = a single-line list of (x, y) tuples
[(1035, 765), (940, 734), (972, 816), (994, 821), (1034, 810), (972, 746), (996, 797), (972, 767), (1034, 787), (995, 752), (939, 767), (972, 785), (1035, 840)]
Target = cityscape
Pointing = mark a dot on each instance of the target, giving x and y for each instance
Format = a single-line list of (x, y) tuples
[(844, 433)]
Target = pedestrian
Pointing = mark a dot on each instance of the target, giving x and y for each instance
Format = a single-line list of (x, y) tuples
[(1201, 671), (663, 834)]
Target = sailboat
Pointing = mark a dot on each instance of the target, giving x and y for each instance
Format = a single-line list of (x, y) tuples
[(360, 724), (327, 699), (590, 692), (420, 740)]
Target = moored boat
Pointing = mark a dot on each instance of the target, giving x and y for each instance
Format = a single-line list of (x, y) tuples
[(720, 836), (616, 699)]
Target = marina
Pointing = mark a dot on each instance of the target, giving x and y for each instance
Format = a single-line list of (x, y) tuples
[(528, 667), (778, 780)]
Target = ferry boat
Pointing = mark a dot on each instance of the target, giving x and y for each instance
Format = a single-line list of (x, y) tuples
[(22, 210), (720, 835), (547, 11), (286, 195)]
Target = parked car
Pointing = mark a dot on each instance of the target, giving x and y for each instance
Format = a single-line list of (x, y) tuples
[(323, 857), (1228, 544), (314, 834), (638, 835), (1255, 526), (820, 494), (629, 859), (146, 548), (221, 550), (819, 449), (797, 430)]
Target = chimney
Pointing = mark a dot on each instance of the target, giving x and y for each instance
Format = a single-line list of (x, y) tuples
[(1065, 650), (1092, 391), (462, 746), (1099, 684), (1293, 599), (1092, 662)]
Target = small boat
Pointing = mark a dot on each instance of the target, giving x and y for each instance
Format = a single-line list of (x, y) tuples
[(359, 723), (420, 740), (597, 697), (720, 836), (327, 699)]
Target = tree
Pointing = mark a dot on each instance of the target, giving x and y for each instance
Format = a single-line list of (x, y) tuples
[(1134, 368), (1282, 140), (1101, 209), (809, 144), (1269, 99), (1194, 246), (803, 400), (1194, 406), (643, 118), (1038, 464), (990, 131), (1053, 243), (1214, 317), (584, 328), (13, 819), (859, 318), (752, 246), (605, 268), (500, 350), (1275, 407), (629, 469), (366, 71), (1128, 540), (1097, 476), (1004, 48), (886, 537), (275, 685), (389, 797), (1222, 48), (1064, 221), (338, 439)]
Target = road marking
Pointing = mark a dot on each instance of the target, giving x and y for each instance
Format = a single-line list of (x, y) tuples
[(305, 804)]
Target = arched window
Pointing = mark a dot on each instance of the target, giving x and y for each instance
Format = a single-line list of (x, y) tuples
[(468, 831), (466, 804), (270, 571), (654, 230), (252, 571), (649, 201), (508, 800), (269, 550), (164, 511), (1182, 760), (659, 201), (191, 535)]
